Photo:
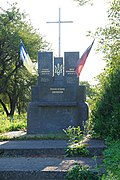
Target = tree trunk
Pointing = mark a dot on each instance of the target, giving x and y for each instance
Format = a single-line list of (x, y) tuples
[(4, 107)]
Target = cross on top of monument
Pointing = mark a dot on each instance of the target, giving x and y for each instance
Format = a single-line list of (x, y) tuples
[(59, 23)]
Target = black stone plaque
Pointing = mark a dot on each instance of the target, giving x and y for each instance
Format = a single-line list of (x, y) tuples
[(45, 67), (71, 59)]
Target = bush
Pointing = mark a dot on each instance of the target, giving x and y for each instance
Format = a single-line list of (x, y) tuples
[(79, 172), (75, 146), (74, 134), (77, 150), (105, 114), (112, 161)]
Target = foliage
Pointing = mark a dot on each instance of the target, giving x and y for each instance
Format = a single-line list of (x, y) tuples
[(75, 137), (18, 123), (89, 89), (79, 172), (105, 113), (112, 161), (74, 134), (15, 80), (77, 150)]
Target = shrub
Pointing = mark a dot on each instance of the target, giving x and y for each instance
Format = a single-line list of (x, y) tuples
[(112, 161), (77, 150), (105, 112), (75, 146), (79, 172), (74, 134)]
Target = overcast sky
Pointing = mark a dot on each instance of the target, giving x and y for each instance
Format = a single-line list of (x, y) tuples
[(73, 35)]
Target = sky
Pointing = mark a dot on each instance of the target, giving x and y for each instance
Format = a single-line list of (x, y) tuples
[(73, 35)]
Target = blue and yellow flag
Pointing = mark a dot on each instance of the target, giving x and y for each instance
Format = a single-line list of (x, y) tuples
[(26, 59)]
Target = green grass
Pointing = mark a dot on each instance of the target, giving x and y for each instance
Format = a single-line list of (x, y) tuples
[(58, 136), (19, 122)]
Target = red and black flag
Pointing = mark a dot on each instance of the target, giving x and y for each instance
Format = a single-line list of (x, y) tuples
[(81, 61)]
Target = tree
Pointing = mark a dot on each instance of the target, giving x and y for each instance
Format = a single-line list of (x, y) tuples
[(15, 81), (106, 104), (89, 89)]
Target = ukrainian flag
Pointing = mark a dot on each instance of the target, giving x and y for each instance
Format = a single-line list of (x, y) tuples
[(26, 59)]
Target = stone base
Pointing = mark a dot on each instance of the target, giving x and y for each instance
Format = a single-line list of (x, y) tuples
[(51, 117)]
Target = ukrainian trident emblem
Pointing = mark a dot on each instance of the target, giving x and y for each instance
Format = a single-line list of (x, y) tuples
[(58, 69)]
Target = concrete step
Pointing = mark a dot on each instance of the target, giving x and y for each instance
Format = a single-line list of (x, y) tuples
[(33, 148), (46, 147), (44, 159), (95, 146), (50, 168)]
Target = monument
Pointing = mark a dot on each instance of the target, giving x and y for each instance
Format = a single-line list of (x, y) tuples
[(58, 101)]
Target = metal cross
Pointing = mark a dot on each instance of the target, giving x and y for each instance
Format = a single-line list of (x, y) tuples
[(59, 22)]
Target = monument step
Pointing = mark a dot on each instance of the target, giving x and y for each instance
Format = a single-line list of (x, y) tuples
[(33, 148), (46, 148), (24, 168)]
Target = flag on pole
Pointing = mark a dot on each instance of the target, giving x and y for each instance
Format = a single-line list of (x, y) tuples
[(82, 60), (26, 59)]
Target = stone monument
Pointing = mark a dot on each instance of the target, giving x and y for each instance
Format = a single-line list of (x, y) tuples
[(58, 101)]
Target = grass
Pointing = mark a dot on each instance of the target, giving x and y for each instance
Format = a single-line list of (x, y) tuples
[(7, 124), (19, 122), (58, 136)]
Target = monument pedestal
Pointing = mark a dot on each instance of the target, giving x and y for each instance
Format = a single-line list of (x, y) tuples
[(57, 101), (53, 117)]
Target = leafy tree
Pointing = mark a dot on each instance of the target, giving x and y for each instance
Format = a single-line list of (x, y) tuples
[(15, 80), (106, 104), (89, 89)]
